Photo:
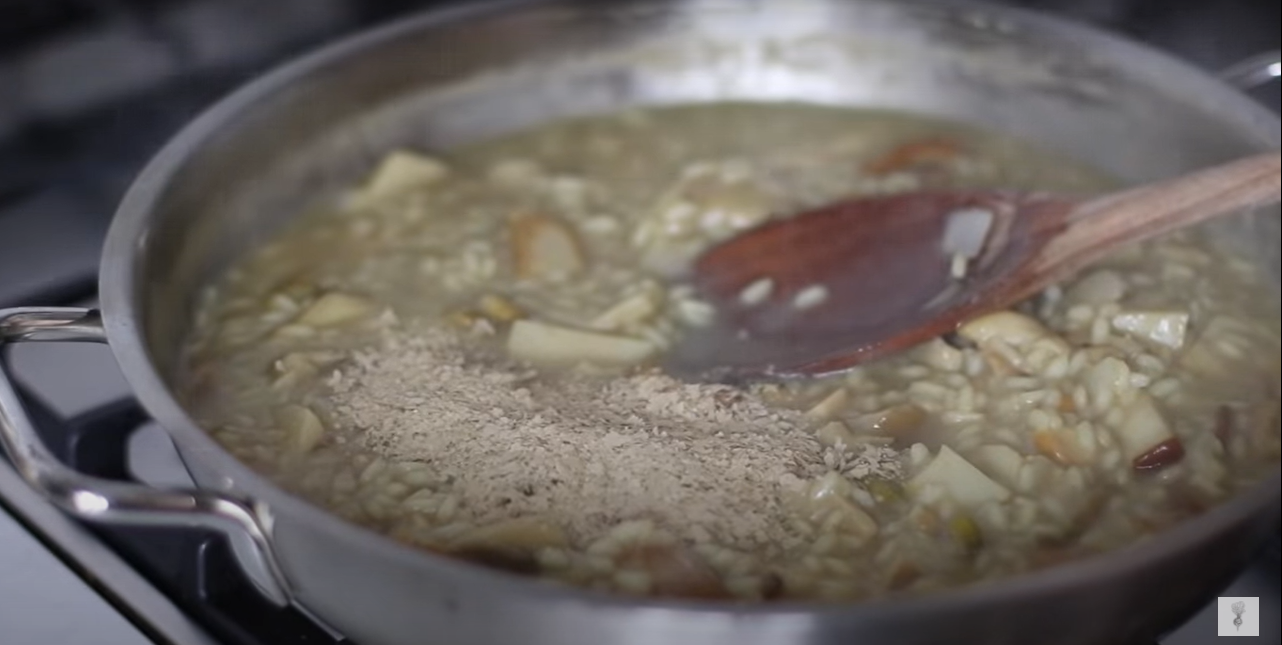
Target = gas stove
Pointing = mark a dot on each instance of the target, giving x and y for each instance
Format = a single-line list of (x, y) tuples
[(100, 86)]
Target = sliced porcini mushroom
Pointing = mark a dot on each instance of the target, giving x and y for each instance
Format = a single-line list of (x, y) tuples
[(526, 533), (631, 311), (1014, 339), (830, 499), (303, 429), (830, 406), (546, 344), (336, 309), (498, 308), (1164, 328), (400, 172), (1059, 445), (959, 479), (292, 369), (545, 248), (900, 419), (464, 320), (1146, 438), (941, 355), (902, 422), (1000, 462)]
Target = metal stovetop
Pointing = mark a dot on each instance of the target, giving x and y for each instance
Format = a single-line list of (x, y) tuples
[(88, 90)]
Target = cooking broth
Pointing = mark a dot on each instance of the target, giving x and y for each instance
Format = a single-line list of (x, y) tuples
[(460, 353)]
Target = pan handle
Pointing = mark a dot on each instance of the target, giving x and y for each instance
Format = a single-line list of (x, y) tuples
[(242, 522), (1254, 72)]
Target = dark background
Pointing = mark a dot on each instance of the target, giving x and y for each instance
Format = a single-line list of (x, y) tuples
[(89, 89)]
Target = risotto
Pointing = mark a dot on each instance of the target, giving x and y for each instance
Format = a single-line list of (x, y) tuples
[(465, 353)]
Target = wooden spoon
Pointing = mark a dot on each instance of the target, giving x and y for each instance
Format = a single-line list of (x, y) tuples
[(827, 289)]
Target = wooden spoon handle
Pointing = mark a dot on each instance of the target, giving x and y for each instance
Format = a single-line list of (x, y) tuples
[(1094, 228)]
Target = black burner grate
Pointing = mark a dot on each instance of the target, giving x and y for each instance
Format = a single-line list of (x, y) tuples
[(193, 568)]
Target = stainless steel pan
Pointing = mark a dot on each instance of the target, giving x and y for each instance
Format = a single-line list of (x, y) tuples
[(240, 170)]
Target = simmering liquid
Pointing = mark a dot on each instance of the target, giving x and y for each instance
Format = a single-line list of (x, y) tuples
[(461, 354)]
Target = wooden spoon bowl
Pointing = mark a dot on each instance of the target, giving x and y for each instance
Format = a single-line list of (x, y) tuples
[(825, 290)]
